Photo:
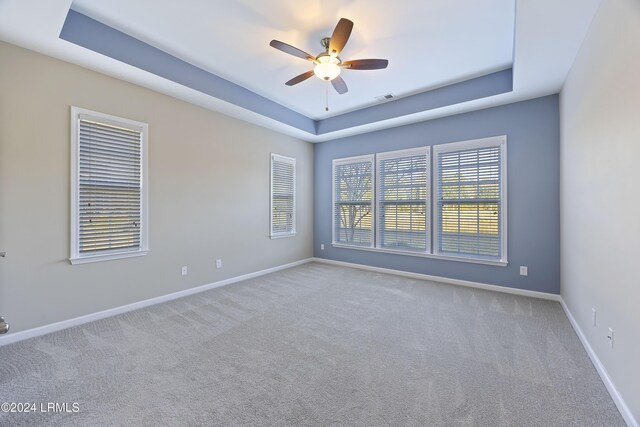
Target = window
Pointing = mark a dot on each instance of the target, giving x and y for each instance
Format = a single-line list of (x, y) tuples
[(353, 201), (283, 203), (403, 194), (464, 218), (108, 194), (470, 182)]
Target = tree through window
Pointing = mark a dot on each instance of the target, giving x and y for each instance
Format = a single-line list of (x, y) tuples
[(353, 209)]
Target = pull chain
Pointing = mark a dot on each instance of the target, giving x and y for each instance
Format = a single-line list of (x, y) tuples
[(326, 97)]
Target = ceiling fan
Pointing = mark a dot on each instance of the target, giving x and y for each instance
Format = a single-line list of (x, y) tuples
[(328, 64)]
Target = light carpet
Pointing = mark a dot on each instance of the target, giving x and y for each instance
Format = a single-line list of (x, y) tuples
[(316, 345)]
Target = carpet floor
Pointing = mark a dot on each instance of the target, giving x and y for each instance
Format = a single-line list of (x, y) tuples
[(316, 345)]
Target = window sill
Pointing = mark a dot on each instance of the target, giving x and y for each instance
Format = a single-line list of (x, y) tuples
[(424, 255), (106, 257), (282, 236)]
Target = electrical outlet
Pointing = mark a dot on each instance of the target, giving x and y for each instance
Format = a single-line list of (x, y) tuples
[(610, 336), (218, 263), (322, 246), (185, 271), (524, 270), (593, 316)]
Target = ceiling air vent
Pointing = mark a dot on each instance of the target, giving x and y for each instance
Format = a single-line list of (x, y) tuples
[(383, 98)]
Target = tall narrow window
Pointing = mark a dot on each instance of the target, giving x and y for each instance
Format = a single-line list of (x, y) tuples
[(471, 198), (283, 189), (109, 215), (353, 201), (403, 194)]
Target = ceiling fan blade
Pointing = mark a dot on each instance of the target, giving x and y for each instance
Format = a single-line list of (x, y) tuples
[(339, 85), (340, 35), (366, 64), (287, 48), (297, 79)]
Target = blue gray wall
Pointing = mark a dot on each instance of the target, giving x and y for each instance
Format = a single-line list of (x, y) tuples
[(533, 206)]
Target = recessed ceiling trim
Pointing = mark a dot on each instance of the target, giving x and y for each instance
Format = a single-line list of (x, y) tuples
[(546, 34), (101, 38), (480, 87), (89, 33)]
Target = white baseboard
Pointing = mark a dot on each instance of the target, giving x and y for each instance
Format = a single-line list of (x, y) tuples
[(606, 379), (503, 289), (53, 327)]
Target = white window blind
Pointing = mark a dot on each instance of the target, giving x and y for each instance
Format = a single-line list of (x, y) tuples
[(471, 198), (109, 203), (353, 201), (283, 188), (403, 193)]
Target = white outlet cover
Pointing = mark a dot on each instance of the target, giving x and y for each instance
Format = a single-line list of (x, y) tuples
[(185, 270), (524, 270)]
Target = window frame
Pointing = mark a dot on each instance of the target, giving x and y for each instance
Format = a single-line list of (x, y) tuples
[(410, 152), (75, 256), (496, 141), (344, 161), (432, 188), (280, 235)]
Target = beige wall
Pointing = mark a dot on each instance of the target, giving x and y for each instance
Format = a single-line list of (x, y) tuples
[(208, 194), (600, 201)]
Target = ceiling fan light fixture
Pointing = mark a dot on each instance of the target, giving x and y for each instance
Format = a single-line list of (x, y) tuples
[(327, 67)]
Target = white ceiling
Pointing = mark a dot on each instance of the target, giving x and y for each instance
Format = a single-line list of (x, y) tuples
[(429, 43)]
